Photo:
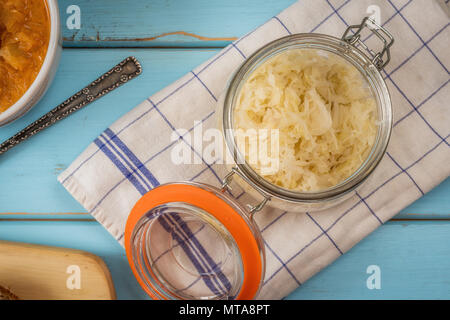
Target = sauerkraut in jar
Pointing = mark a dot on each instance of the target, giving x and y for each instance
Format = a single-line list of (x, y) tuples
[(325, 113)]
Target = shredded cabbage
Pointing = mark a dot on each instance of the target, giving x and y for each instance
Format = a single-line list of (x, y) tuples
[(324, 111)]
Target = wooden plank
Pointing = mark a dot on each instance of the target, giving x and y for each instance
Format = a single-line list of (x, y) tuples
[(56, 216), (158, 23), (435, 205), (28, 173), (413, 258), (35, 272)]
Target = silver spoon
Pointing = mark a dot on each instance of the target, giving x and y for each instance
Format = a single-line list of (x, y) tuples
[(120, 74)]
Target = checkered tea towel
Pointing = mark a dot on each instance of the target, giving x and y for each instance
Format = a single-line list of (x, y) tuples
[(133, 154)]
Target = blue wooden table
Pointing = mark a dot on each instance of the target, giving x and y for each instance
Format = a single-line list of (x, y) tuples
[(170, 38)]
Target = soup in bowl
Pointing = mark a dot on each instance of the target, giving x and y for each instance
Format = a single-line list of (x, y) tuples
[(29, 52)]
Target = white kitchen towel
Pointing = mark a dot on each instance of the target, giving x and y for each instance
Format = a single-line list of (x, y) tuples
[(133, 155)]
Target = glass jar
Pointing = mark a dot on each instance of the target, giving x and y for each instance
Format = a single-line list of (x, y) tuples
[(188, 240), (368, 66)]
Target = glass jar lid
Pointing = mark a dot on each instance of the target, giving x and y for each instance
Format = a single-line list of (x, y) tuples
[(194, 241)]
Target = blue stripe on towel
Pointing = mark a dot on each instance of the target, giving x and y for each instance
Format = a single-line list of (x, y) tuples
[(203, 256), (139, 165), (165, 223), (214, 267), (132, 171), (120, 166), (142, 190)]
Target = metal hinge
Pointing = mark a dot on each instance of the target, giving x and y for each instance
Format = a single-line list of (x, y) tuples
[(379, 59), (226, 187)]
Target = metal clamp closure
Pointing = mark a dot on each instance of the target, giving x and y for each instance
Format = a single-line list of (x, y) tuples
[(226, 187), (379, 59)]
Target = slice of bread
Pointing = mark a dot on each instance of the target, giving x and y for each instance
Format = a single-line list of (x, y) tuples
[(6, 294)]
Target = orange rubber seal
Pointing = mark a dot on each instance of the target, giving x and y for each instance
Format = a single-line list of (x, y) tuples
[(218, 208)]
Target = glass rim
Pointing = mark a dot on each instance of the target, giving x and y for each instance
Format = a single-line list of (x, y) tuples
[(351, 54)]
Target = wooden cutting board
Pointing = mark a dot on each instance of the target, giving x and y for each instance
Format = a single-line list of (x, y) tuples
[(41, 272)]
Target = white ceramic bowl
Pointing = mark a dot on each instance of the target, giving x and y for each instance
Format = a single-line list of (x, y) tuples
[(45, 75)]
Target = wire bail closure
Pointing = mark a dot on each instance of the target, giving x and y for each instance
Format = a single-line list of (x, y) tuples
[(226, 187), (379, 59)]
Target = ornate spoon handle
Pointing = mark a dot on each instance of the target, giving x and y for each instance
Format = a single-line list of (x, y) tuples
[(120, 74)]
